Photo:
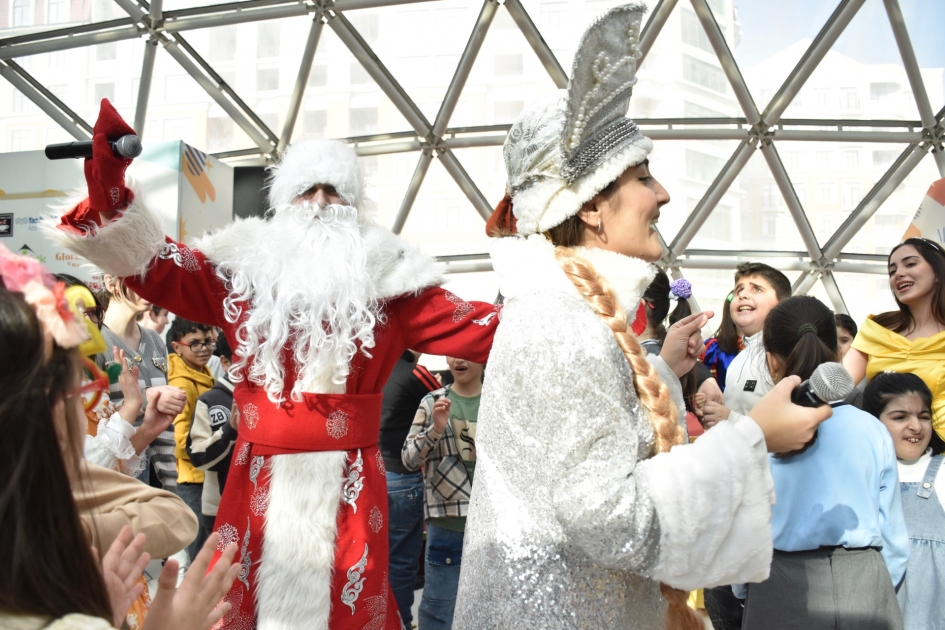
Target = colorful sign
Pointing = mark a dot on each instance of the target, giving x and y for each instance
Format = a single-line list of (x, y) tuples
[(929, 221)]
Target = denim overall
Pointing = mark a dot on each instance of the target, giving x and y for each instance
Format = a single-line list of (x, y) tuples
[(922, 595)]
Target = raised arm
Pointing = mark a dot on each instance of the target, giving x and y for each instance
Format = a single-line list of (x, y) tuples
[(441, 323), (115, 230)]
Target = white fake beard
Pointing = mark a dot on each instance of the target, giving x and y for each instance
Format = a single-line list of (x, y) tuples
[(306, 283)]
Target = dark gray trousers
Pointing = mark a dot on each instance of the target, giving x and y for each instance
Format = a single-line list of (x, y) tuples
[(824, 589)]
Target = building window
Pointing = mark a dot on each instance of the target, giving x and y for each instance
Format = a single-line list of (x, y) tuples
[(267, 39), (853, 160), (794, 161), (508, 65), (851, 194), (849, 99), (693, 33), (21, 15), (178, 129), (801, 191), (222, 43), (57, 11), (823, 97), (20, 102), (719, 224), (362, 121), (368, 26), (704, 74), (879, 91), (507, 111), (103, 90), (883, 158), (826, 192), (701, 166), (267, 79), (769, 223), (359, 76), (314, 123), (106, 52), (21, 140), (552, 15), (318, 77), (823, 160), (219, 134), (769, 196)]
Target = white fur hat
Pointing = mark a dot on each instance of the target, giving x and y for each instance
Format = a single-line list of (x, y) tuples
[(564, 150), (309, 162)]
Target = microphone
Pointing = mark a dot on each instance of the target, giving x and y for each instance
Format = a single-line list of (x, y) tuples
[(828, 382), (128, 146)]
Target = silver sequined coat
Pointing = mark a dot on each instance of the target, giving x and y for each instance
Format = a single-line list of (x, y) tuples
[(570, 526)]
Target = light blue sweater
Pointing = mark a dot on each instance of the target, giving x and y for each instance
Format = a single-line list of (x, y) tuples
[(842, 492)]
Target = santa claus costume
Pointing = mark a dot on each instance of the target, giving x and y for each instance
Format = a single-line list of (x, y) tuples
[(319, 304)]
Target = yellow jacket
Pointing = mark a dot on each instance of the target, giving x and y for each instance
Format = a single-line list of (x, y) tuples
[(194, 383)]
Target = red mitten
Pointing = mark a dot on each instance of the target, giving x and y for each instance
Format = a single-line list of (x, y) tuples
[(105, 172)]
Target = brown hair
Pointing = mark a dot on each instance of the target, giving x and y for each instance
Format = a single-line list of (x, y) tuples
[(48, 568), (903, 320), (652, 392), (778, 281)]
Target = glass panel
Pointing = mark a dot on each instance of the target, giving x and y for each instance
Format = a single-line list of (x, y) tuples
[(862, 76), (885, 229), (923, 21), (865, 294), (772, 38), (681, 76), (442, 220), (831, 178)]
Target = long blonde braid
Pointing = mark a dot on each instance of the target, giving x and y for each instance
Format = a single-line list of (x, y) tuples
[(652, 392)]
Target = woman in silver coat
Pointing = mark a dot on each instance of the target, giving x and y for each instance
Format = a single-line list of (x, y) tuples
[(579, 507)]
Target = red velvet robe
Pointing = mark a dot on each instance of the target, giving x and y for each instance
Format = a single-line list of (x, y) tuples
[(435, 321)]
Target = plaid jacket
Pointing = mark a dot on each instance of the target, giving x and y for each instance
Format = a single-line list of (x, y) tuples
[(446, 484)]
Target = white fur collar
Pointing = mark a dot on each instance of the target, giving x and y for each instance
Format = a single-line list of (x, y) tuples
[(527, 265), (397, 267)]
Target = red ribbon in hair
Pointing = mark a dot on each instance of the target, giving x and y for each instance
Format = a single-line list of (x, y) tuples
[(502, 222), (639, 324)]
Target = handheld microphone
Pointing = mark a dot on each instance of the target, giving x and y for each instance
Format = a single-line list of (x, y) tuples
[(128, 146), (829, 382)]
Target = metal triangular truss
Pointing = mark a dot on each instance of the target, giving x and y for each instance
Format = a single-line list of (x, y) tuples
[(757, 130)]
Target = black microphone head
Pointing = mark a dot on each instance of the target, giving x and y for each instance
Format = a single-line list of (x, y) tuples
[(831, 381), (128, 146)]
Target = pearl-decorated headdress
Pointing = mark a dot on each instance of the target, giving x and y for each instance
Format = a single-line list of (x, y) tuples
[(563, 151)]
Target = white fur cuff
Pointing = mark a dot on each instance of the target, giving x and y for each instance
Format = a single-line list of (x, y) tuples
[(714, 508), (123, 247)]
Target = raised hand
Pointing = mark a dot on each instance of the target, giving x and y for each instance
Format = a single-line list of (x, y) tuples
[(441, 414), (195, 605), (130, 391), (122, 566), (683, 344)]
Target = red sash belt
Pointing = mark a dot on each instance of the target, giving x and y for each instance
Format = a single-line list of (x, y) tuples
[(320, 422)]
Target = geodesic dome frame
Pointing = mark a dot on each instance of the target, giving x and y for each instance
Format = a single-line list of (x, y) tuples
[(761, 127)]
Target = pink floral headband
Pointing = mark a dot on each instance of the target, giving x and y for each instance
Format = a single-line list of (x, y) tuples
[(47, 297)]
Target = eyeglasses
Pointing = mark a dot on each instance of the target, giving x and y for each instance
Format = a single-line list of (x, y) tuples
[(96, 315), (209, 344)]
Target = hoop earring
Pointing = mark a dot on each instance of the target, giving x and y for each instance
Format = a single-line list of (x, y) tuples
[(598, 226)]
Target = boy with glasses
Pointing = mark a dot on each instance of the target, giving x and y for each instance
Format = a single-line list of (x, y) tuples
[(187, 369)]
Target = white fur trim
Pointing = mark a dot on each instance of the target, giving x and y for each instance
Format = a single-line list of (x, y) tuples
[(294, 580), (123, 247), (398, 267), (550, 201), (528, 265), (714, 502), (309, 162)]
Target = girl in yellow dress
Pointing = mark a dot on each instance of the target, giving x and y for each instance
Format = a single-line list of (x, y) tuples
[(911, 339)]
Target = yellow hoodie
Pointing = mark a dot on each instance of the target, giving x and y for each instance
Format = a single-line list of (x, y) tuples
[(194, 383)]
